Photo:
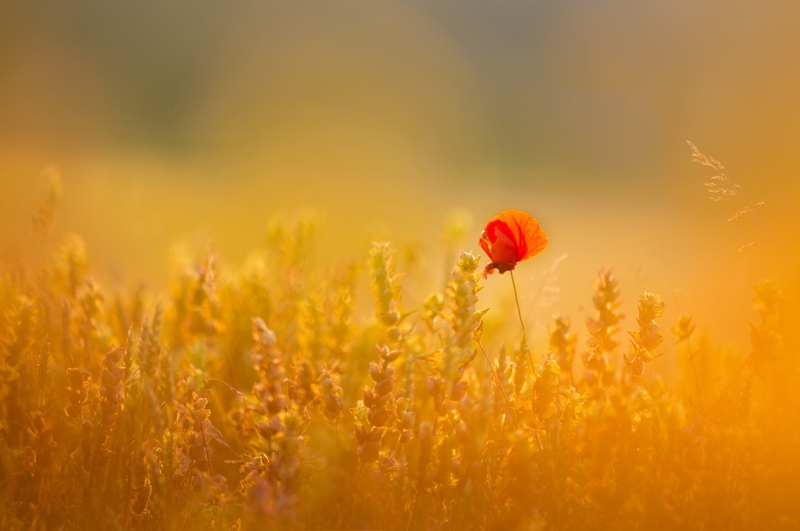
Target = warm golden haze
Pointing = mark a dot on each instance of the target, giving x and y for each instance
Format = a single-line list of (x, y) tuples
[(245, 252)]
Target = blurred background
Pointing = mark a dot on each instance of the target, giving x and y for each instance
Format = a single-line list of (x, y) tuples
[(198, 121)]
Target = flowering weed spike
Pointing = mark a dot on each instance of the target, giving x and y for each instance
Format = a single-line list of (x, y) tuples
[(603, 327), (649, 336), (562, 344), (385, 286)]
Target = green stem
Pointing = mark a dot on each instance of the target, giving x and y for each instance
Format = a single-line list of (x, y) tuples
[(516, 299), (522, 323)]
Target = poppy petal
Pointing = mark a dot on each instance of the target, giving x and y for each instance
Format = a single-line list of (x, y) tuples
[(504, 244), (509, 237)]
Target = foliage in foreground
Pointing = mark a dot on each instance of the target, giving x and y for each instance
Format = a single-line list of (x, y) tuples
[(263, 403)]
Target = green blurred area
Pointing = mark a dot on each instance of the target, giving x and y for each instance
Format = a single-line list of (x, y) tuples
[(198, 121)]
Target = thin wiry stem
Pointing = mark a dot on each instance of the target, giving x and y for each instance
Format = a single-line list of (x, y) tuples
[(783, 257), (521, 321), (516, 299), (769, 236)]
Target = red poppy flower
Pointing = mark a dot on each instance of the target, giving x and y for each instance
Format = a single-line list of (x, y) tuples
[(510, 237)]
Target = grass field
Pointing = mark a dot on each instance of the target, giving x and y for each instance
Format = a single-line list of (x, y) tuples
[(312, 394)]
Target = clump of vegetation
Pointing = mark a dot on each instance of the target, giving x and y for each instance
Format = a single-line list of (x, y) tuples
[(227, 407)]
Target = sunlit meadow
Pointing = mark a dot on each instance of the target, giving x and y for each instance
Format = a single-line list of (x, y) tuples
[(250, 275)]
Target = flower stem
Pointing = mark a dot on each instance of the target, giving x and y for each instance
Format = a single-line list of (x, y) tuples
[(516, 299), (522, 323)]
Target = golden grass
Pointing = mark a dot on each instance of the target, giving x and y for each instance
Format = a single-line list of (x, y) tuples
[(267, 402)]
